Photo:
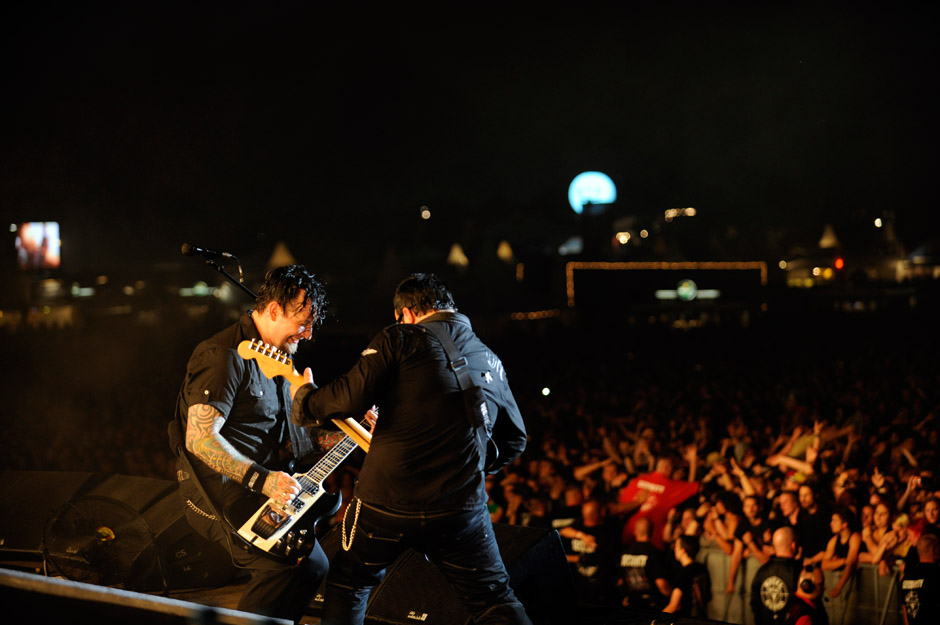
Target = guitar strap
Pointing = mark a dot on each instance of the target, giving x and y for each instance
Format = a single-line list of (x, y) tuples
[(474, 400)]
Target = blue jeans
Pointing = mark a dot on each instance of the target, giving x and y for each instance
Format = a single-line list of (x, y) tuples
[(460, 543)]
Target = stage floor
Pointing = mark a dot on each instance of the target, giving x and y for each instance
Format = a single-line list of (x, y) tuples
[(32, 598)]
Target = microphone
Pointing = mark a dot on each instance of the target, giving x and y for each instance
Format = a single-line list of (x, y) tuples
[(189, 249)]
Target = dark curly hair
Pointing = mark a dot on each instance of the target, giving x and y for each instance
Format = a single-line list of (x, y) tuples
[(284, 284), (422, 293)]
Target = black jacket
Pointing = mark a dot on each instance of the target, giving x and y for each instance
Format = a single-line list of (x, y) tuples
[(773, 589), (424, 455)]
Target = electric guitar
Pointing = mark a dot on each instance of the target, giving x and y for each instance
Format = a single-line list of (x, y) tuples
[(285, 532)]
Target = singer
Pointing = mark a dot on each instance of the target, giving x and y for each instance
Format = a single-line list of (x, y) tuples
[(236, 422)]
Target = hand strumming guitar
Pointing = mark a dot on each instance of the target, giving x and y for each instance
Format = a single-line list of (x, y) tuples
[(281, 487)]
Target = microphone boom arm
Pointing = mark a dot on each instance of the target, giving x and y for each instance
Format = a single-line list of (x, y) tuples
[(221, 269)]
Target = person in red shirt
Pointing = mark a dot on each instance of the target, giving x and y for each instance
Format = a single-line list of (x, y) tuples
[(652, 495)]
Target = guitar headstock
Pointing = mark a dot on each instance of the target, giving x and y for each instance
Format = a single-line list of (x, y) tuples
[(271, 360)]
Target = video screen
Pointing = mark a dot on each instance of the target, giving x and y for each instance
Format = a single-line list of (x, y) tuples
[(38, 245)]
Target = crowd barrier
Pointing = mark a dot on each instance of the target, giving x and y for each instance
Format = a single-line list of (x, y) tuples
[(868, 599)]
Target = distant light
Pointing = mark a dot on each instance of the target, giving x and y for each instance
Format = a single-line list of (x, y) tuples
[(13, 227), (456, 256), (672, 213), (425, 213), (686, 290), (623, 237), (816, 271), (878, 222), (591, 187), (535, 315), (78, 290), (644, 233), (827, 273), (839, 263), (574, 245), (101, 280), (226, 292), (782, 264), (546, 392), (199, 289), (520, 272), (504, 252), (128, 290)]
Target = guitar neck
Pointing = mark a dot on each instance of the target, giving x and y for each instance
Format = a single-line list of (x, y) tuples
[(295, 379), (311, 480)]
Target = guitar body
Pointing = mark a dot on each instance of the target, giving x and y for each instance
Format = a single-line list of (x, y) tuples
[(284, 533)]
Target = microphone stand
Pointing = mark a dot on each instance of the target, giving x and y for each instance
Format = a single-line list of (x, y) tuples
[(221, 269)]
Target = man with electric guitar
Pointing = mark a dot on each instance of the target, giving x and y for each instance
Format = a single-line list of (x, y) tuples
[(446, 408), (237, 427)]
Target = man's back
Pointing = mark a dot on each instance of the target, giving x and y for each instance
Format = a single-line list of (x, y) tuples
[(773, 588), (641, 564), (424, 456), (919, 593)]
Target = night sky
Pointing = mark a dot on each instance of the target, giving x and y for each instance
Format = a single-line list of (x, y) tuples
[(143, 125)]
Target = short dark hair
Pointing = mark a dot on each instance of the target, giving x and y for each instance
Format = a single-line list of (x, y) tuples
[(689, 544), (422, 293), (731, 501), (848, 517), (284, 284)]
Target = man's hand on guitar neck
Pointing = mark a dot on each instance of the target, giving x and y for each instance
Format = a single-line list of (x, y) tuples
[(308, 379)]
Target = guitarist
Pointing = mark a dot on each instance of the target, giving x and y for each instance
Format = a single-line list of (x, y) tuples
[(422, 484), (236, 424)]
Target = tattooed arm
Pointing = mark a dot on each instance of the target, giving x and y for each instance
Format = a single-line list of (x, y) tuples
[(204, 440)]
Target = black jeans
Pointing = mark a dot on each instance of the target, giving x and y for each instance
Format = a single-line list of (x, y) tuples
[(460, 543)]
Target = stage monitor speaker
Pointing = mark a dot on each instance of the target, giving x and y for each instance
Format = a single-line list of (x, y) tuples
[(189, 559), (27, 499), (34, 500), (415, 591)]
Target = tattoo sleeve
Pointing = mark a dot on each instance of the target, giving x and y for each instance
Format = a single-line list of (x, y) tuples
[(203, 439)]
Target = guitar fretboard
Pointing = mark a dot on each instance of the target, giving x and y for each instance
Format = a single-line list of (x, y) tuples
[(311, 480)]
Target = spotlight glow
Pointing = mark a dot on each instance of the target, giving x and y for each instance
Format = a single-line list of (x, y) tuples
[(591, 187)]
